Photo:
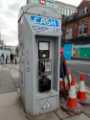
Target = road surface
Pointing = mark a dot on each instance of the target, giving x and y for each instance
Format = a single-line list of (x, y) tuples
[(80, 66)]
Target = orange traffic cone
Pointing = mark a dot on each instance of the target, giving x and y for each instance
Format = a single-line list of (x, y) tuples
[(72, 102), (82, 90)]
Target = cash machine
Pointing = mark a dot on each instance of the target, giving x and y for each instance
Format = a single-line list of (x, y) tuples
[(39, 40)]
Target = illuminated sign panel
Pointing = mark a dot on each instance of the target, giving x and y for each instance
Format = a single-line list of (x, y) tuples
[(45, 21), (42, 2), (46, 3)]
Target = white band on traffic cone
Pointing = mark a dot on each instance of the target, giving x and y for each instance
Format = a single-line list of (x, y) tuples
[(72, 92), (66, 81), (82, 86), (61, 80), (70, 78)]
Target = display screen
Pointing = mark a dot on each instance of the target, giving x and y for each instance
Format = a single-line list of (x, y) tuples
[(43, 46)]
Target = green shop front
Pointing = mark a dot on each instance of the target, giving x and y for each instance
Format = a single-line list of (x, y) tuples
[(81, 51)]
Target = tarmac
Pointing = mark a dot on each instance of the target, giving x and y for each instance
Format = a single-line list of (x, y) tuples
[(11, 109)]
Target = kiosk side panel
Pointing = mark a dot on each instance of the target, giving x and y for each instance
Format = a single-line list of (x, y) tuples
[(27, 58)]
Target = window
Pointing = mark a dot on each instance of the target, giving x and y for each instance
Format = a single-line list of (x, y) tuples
[(69, 33), (83, 29), (73, 11), (68, 12), (83, 11), (62, 11), (65, 11)]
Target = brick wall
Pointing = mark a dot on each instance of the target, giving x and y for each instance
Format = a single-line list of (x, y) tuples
[(74, 24)]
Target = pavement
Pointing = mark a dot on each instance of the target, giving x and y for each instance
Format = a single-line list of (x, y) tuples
[(9, 78), (10, 104), (11, 109)]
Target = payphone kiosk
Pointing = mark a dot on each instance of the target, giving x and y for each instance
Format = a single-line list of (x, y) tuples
[(39, 38)]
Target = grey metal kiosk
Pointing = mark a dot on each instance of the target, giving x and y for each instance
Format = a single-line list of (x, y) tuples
[(39, 38)]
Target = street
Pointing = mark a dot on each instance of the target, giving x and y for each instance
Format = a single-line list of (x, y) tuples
[(83, 66), (80, 66)]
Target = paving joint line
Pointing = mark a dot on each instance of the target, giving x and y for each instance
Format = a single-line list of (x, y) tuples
[(58, 116), (86, 114)]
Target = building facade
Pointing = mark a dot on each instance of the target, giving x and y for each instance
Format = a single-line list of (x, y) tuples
[(65, 9), (76, 31), (62, 8)]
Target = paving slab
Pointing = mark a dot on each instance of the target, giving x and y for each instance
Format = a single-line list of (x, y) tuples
[(11, 113), (78, 117), (48, 116), (7, 84), (86, 110), (10, 109), (61, 114), (86, 106)]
